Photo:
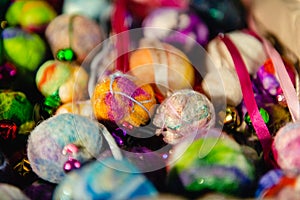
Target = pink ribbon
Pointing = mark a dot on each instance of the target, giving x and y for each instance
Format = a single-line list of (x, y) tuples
[(281, 72), (259, 125), (284, 80), (119, 26)]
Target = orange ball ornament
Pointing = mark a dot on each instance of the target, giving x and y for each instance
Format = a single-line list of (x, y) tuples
[(162, 65)]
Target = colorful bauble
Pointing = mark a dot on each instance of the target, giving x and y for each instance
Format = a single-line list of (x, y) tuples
[(175, 26), (105, 179), (68, 80), (163, 65), (286, 147), (253, 54), (277, 184), (120, 99), (31, 15), (268, 180), (15, 106), (46, 144), (25, 50), (65, 31), (214, 163), (182, 114)]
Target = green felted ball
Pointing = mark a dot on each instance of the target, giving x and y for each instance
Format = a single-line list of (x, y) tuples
[(31, 15), (15, 106), (25, 50)]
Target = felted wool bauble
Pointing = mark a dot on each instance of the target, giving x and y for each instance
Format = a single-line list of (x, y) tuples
[(68, 80), (25, 50), (214, 163), (8, 191), (31, 15), (66, 31), (48, 140), (253, 55), (286, 147), (105, 179), (15, 106), (163, 65), (121, 99), (175, 26), (184, 113)]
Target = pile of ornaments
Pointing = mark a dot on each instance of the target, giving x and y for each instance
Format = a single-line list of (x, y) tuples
[(132, 99)]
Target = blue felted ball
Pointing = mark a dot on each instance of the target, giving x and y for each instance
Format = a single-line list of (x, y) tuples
[(48, 140)]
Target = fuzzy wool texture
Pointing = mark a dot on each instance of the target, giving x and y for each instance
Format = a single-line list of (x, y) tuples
[(47, 140)]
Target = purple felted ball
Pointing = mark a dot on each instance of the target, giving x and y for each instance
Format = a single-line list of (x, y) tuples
[(175, 25)]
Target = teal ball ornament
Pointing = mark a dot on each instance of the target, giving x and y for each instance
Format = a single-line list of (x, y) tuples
[(105, 179)]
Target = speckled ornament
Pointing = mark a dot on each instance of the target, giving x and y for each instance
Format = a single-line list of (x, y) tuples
[(163, 65), (214, 163), (8, 191), (31, 15), (69, 80), (25, 50), (184, 113), (286, 147), (175, 25), (105, 179), (119, 98), (66, 31), (15, 106), (48, 140)]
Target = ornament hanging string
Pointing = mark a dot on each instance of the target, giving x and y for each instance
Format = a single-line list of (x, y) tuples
[(259, 125), (283, 77), (120, 28)]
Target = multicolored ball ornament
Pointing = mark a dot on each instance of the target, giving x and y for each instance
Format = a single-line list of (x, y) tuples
[(47, 144), (286, 147), (15, 106), (173, 25), (277, 184), (25, 50), (105, 179), (162, 65), (65, 79), (66, 32), (182, 114), (121, 99), (212, 163), (33, 16)]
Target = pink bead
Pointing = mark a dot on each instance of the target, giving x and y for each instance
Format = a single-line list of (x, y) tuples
[(71, 164)]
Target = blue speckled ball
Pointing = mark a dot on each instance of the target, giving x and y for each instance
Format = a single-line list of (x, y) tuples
[(47, 140), (108, 179)]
